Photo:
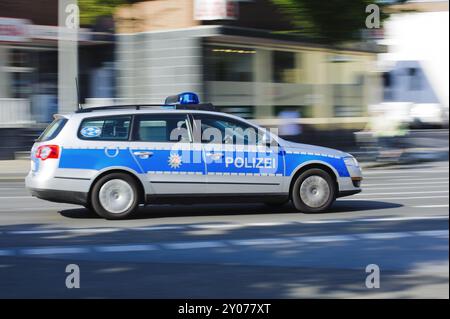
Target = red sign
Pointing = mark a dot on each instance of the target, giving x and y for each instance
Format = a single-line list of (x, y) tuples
[(13, 30), (215, 9)]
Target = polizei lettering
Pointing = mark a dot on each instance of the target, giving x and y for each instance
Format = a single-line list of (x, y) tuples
[(255, 162)]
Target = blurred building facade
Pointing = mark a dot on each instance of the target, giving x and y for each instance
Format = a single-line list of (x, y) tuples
[(29, 69), (29, 62), (232, 54)]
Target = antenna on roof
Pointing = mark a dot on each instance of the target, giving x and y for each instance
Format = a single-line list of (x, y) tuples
[(78, 94)]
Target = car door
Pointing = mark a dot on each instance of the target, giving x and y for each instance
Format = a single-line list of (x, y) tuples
[(237, 159), (163, 146)]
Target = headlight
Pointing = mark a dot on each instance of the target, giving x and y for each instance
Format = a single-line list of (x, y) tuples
[(351, 161)]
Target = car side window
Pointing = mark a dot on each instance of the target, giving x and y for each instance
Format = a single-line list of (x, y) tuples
[(108, 128), (222, 130), (162, 128)]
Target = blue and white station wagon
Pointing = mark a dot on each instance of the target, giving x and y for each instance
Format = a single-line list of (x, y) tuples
[(113, 159)]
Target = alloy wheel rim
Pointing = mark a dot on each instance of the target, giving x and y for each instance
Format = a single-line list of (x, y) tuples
[(315, 191), (116, 196)]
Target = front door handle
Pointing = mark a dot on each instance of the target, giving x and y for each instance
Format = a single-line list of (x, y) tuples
[(143, 154), (214, 156)]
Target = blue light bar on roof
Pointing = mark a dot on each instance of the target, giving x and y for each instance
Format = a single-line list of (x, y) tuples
[(183, 98)]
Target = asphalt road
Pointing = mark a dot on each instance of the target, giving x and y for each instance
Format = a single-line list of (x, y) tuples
[(399, 222)]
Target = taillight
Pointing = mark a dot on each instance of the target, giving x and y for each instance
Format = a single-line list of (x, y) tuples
[(47, 151)]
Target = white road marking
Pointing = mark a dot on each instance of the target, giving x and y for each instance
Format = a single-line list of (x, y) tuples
[(365, 189), (261, 224), (54, 250), (391, 198), (401, 178), (324, 239), (392, 219), (214, 226), (124, 248), (433, 233), (94, 230), (6, 252), (384, 235), (430, 206), (405, 193), (326, 221), (159, 228), (16, 197), (408, 172), (261, 241), (217, 226), (37, 209), (417, 185), (193, 245), (35, 232), (70, 230)]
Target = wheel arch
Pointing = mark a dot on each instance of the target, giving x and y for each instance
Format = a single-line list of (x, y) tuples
[(124, 171), (310, 165)]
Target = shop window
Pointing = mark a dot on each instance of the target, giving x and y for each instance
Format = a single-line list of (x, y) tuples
[(19, 58), (229, 64), (283, 67), (21, 76)]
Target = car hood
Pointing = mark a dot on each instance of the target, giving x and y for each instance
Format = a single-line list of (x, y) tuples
[(299, 147)]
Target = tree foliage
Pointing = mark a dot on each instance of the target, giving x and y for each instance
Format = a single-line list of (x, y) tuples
[(91, 9), (329, 21)]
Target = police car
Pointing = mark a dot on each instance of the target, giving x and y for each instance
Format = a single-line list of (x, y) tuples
[(114, 159)]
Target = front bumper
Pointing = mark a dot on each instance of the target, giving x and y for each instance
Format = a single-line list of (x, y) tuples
[(350, 185), (348, 192)]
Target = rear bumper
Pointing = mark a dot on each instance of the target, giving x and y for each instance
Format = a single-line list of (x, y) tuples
[(60, 190), (58, 196)]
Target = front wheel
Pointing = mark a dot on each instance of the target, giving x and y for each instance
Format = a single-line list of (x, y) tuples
[(314, 191), (115, 196)]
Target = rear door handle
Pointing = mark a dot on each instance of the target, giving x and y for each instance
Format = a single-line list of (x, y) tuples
[(143, 154)]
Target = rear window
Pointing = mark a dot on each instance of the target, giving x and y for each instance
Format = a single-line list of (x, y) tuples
[(52, 130), (109, 128)]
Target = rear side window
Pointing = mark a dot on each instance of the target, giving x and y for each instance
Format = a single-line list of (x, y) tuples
[(111, 128), (52, 130), (162, 128)]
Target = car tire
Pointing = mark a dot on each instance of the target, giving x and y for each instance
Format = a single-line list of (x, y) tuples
[(314, 191), (90, 209), (115, 196)]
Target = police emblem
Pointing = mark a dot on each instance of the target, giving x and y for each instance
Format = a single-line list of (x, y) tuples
[(91, 131), (174, 160)]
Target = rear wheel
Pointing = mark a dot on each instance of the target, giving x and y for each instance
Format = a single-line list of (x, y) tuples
[(115, 196), (314, 191), (89, 209)]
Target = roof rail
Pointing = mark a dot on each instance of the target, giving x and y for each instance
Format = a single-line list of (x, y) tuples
[(204, 107), (112, 107)]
